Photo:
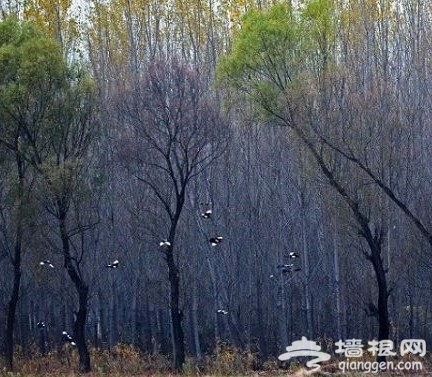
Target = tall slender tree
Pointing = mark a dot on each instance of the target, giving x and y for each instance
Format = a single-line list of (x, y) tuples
[(22, 82), (48, 108), (174, 132), (267, 65), (62, 157)]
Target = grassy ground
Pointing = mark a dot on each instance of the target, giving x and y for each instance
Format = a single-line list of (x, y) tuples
[(124, 360), (298, 373), (276, 373)]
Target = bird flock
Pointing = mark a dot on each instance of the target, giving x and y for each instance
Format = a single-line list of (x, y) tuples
[(114, 264), (67, 338), (288, 267), (164, 244), (214, 241), (46, 263)]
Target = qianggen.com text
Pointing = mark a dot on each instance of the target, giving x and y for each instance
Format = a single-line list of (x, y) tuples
[(376, 366)]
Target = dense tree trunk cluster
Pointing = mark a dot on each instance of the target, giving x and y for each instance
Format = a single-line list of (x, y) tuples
[(214, 178)]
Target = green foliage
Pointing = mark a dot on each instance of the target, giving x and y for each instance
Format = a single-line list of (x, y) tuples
[(27, 55), (320, 16), (277, 51), (12, 33), (31, 69), (263, 49), (319, 20), (267, 56), (59, 176), (55, 18), (45, 106), (34, 76)]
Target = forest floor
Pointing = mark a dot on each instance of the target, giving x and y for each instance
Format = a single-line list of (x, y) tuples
[(125, 361), (275, 373), (302, 373)]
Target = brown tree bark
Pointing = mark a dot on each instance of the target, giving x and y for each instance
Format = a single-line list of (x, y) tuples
[(82, 291), (16, 264), (12, 305), (175, 312)]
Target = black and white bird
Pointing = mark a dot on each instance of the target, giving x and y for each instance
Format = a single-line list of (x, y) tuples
[(46, 262), (214, 241), (67, 338), (207, 214), (222, 311), (285, 267), (41, 325), (293, 255), (114, 264), (164, 243)]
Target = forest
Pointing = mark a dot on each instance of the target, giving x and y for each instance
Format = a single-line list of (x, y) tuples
[(179, 177)]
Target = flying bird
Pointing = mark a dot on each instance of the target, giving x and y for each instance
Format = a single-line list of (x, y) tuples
[(46, 262), (214, 241), (207, 214), (67, 338), (293, 255), (285, 267), (114, 264), (222, 311), (41, 325), (164, 243)]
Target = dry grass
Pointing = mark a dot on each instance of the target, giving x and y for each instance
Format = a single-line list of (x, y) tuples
[(125, 360)]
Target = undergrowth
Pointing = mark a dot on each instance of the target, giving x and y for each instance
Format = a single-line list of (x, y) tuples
[(126, 360)]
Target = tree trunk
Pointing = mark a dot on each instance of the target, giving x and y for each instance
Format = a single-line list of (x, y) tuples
[(82, 290), (262, 337), (375, 258), (79, 330), (10, 322), (175, 312), (306, 282), (195, 322), (383, 315), (42, 341), (282, 318), (373, 239), (16, 263), (337, 282)]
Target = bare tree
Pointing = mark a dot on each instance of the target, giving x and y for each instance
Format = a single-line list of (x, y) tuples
[(173, 133)]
